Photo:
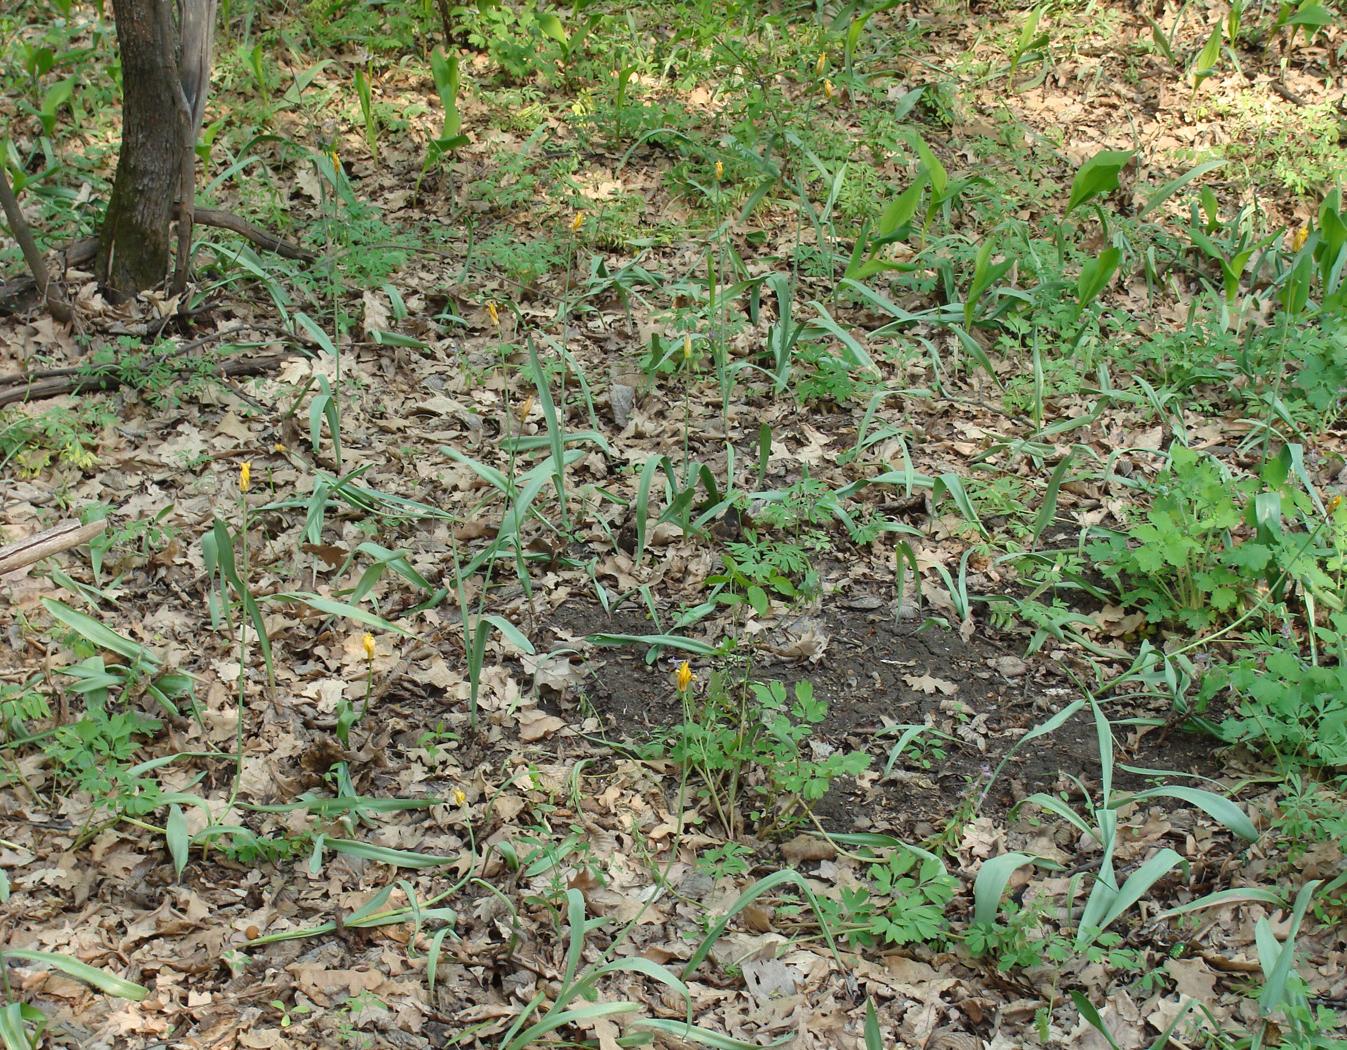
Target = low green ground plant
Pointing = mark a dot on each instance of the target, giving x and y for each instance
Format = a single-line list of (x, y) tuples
[(745, 745)]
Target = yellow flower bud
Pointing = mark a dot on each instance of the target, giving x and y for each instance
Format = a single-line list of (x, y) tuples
[(827, 87), (577, 222), (1334, 504), (458, 797), (687, 348), (245, 475), (684, 676), (495, 314), (368, 643), (1299, 238), (522, 412), (720, 170), (821, 64)]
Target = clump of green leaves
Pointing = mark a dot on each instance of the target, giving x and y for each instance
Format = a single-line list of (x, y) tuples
[(826, 379), (748, 745), (758, 569), (902, 900), (523, 260), (1282, 702), (1023, 936), (1318, 357), (21, 703), (1203, 546), (1310, 814), (59, 435), (523, 41), (93, 753), (378, 27)]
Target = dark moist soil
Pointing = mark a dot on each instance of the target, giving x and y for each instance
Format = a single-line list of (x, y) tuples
[(871, 674)]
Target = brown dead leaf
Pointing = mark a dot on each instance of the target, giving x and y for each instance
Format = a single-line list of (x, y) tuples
[(535, 724), (804, 848), (930, 685)]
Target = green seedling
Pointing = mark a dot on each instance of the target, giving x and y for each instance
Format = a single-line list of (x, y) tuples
[(1107, 900), (444, 70), (365, 95), (1097, 176)]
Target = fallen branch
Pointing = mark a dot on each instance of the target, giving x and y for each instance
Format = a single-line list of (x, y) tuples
[(83, 251), (227, 220), (107, 377), (44, 544)]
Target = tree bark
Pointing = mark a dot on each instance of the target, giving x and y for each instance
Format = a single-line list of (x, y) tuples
[(197, 30), (133, 250)]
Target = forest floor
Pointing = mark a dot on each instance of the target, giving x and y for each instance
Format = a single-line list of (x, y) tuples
[(933, 386)]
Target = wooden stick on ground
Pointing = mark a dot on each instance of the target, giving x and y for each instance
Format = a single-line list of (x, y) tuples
[(44, 544), (108, 379)]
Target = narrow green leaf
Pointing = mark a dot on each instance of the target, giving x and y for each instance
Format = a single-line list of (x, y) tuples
[(90, 975), (332, 607), (682, 1031), (1093, 1017), (512, 633), (874, 1038), (1274, 991), (398, 858), (1048, 512), (1174, 185)]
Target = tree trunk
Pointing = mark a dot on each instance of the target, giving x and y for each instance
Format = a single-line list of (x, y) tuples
[(133, 245)]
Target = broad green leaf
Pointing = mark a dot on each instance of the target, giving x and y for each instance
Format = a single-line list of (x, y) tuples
[(990, 884), (935, 171), (1095, 276), (1098, 175), (899, 212), (1312, 16), (1218, 807), (1205, 63), (97, 634), (444, 70), (551, 26), (178, 839)]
